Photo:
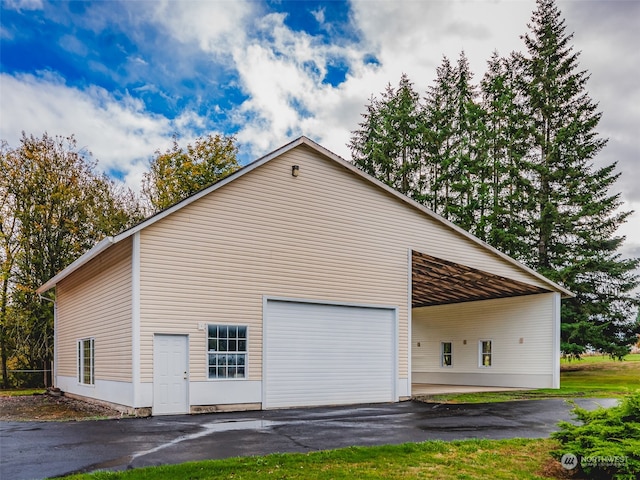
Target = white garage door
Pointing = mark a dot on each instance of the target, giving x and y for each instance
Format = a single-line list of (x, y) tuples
[(317, 354)]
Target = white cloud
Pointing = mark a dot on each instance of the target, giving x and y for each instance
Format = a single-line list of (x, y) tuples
[(282, 73), (73, 45), (631, 230), (272, 91), (215, 26), (405, 37), (119, 132), (607, 36), (319, 16), (288, 98), (22, 5)]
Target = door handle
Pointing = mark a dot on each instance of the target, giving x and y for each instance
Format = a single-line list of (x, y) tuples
[(186, 375)]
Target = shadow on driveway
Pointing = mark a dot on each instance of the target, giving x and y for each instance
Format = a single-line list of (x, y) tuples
[(37, 449)]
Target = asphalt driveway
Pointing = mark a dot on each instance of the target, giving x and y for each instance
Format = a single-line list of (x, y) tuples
[(31, 450)]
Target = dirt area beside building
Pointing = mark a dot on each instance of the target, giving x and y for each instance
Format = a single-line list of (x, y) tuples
[(44, 407)]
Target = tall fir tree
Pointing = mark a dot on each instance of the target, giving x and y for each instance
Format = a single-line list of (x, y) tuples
[(389, 143), (455, 159), (440, 111), (574, 217), (505, 187), (517, 171), (468, 160)]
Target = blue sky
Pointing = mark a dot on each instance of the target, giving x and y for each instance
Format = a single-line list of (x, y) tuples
[(115, 46), (125, 76)]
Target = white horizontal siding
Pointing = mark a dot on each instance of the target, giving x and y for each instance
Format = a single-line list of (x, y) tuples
[(95, 301), (327, 234), (507, 322)]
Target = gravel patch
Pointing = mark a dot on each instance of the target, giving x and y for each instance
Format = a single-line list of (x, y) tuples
[(44, 407)]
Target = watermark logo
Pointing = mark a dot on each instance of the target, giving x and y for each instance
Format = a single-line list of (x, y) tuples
[(570, 461)]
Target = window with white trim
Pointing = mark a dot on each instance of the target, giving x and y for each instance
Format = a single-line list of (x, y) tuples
[(86, 361), (485, 350), (446, 351), (227, 351)]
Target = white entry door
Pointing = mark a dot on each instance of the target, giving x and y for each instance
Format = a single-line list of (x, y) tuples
[(170, 374)]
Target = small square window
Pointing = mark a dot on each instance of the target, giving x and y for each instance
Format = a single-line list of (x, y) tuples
[(227, 351)]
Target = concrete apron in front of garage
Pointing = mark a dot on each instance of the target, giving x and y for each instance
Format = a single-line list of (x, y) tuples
[(421, 389)]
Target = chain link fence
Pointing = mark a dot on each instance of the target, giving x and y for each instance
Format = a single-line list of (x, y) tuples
[(29, 378)]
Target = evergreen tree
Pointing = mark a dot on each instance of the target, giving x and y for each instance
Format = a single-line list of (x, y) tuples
[(575, 217), (517, 171), (440, 111), (455, 161), (389, 143), (468, 161), (505, 188)]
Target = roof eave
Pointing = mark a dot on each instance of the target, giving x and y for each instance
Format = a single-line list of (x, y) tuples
[(79, 262)]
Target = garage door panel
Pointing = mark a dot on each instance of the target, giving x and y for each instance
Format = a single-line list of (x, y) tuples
[(328, 354)]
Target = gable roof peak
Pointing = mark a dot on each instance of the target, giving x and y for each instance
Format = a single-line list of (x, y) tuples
[(326, 153)]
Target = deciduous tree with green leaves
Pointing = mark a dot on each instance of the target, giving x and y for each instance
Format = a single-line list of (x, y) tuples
[(55, 207), (8, 249), (180, 172)]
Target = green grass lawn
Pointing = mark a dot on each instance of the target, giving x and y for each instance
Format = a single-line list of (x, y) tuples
[(594, 376), (21, 392), (587, 359), (469, 459)]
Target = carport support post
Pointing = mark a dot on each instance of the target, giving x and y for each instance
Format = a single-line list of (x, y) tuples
[(556, 339), (409, 319)]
